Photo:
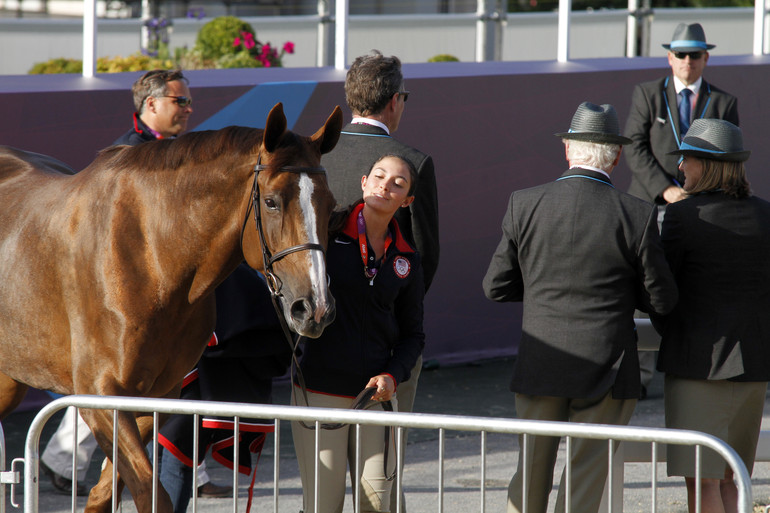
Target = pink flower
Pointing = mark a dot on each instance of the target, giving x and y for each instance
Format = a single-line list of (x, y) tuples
[(248, 40), (266, 49), (236, 41), (288, 47)]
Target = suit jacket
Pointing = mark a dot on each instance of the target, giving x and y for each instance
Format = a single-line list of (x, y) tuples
[(359, 147), (582, 256), (719, 250), (653, 125)]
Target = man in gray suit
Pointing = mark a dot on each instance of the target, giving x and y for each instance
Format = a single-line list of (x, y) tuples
[(582, 256)]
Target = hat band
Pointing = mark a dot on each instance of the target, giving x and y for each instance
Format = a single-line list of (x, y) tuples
[(686, 146), (688, 44)]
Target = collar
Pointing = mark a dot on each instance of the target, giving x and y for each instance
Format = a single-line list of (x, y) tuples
[(141, 127), (586, 173), (351, 230), (372, 122), (590, 168), (694, 87)]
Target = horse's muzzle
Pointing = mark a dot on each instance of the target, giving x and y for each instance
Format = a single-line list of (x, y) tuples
[(309, 318)]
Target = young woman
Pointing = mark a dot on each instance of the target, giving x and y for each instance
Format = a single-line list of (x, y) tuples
[(715, 349), (376, 279)]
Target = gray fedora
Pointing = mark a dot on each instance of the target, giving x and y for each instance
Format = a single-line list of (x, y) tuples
[(688, 38), (596, 124), (713, 139)]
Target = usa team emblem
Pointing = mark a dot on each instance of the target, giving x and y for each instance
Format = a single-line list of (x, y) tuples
[(402, 267)]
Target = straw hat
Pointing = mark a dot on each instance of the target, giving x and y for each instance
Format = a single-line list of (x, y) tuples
[(596, 124), (714, 139)]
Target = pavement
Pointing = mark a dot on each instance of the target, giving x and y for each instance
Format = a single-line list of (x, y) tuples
[(477, 389)]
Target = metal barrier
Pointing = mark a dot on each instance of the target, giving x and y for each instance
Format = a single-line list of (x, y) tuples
[(483, 425)]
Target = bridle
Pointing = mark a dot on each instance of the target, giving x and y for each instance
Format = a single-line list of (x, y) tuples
[(274, 285), (268, 259)]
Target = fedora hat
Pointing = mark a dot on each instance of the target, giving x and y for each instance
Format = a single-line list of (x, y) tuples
[(688, 38), (596, 124), (714, 139)]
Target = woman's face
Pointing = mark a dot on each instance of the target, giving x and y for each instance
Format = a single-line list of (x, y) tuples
[(692, 168), (387, 186)]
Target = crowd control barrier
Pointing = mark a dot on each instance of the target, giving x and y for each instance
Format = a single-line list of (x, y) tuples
[(483, 425)]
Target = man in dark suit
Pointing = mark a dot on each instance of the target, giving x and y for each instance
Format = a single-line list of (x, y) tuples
[(374, 91), (582, 256), (659, 118), (654, 123)]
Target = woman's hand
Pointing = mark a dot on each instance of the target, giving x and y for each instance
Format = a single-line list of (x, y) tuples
[(385, 385)]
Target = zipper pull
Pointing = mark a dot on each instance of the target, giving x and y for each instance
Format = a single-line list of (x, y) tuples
[(371, 282)]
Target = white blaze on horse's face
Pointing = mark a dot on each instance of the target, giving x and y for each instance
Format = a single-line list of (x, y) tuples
[(317, 260)]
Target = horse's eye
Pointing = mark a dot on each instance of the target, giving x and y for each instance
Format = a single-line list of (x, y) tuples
[(271, 204)]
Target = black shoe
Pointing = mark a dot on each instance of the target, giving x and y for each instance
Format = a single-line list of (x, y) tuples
[(62, 483), (643, 395), (214, 491)]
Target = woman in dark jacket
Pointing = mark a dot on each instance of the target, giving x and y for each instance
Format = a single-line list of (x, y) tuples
[(715, 349), (376, 279)]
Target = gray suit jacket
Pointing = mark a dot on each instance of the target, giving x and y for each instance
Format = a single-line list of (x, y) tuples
[(582, 256), (358, 148), (653, 125), (719, 251)]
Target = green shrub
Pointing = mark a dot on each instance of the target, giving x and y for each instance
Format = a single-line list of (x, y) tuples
[(443, 57), (242, 59), (59, 65), (216, 37)]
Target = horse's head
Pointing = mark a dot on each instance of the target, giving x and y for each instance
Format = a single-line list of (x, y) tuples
[(292, 205)]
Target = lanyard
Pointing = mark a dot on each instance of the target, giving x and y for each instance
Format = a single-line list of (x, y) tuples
[(364, 247)]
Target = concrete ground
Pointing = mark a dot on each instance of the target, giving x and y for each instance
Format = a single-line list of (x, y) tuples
[(479, 389)]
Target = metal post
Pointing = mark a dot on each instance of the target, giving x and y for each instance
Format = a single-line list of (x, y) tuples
[(144, 37), (89, 38), (341, 35), (490, 16), (325, 44), (632, 28), (760, 27), (562, 47)]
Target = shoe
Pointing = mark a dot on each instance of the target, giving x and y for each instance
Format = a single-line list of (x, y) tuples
[(62, 483), (214, 491)]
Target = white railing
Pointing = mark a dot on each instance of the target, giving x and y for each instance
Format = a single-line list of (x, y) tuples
[(483, 425)]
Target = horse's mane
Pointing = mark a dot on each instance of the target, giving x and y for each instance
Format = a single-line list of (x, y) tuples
[(190, 148)]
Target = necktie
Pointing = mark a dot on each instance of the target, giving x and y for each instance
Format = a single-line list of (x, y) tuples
[(684, 111)]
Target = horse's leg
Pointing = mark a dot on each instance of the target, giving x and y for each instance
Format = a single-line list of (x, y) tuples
[(11, 394), (133, 464)]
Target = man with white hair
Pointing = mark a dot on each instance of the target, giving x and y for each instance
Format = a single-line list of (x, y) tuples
[(582, 256)]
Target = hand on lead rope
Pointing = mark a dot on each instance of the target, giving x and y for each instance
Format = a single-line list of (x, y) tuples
[(385, 385)]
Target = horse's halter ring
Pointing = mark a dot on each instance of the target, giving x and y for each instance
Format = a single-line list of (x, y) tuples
[(268, 259)]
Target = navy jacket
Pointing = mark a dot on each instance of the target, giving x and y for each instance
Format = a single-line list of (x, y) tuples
[(378, 328), (140, 133)]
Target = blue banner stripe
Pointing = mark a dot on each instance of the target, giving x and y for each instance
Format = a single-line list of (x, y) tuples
[(252, 108)]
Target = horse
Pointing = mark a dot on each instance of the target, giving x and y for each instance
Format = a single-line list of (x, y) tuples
[(108, 274)]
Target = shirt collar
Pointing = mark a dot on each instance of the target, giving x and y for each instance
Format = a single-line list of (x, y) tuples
[(694, 87), (370, 121), (590, 168)]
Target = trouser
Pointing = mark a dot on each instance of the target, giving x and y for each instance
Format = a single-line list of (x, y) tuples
[(58, 453), (337, 450), (406, 394), (588, 457)]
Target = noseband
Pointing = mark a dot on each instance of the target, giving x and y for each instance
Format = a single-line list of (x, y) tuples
[(268, 259)]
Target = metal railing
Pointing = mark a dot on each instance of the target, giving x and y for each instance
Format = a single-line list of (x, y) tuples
[(482, 425)]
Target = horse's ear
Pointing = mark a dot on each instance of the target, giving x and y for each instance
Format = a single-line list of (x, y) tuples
[(328, 135), (275, 126)]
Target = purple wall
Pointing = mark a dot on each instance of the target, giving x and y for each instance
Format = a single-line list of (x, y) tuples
[(489, 128)]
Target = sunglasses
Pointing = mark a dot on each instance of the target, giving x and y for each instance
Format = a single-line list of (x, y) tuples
[(694, 56), (182, 101), (405, 94)]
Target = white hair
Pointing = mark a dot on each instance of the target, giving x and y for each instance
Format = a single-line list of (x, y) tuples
[(597, 155)]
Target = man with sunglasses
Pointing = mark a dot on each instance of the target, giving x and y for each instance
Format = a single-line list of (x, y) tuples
[(659, 116), (661, 112), (163, 106)]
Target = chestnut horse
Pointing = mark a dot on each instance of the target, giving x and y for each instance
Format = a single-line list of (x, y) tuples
[(108, 274)]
